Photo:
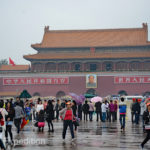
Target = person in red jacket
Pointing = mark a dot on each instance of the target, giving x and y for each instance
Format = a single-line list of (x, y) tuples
[(67, 116)]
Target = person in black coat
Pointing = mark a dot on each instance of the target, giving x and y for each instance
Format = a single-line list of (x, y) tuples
[(74, 110), (85, 109), (136, 110), (57, 109), (80, 111), (50, 115), (146, 118), (98, 110)]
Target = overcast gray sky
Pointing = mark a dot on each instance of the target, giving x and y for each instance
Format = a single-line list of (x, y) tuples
[(22, 21)]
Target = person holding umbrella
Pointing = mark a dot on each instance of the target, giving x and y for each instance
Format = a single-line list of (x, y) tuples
[(91, 110)]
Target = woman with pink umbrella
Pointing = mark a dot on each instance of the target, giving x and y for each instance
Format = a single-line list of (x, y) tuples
[(98, 104)]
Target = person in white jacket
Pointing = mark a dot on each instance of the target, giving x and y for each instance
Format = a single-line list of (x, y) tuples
[(39, 106), (104, 108), (3, 113)]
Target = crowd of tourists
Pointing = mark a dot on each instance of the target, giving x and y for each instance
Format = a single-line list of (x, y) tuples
[(20, 112)]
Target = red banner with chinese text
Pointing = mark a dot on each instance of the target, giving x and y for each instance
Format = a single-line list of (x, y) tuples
[(131, 79), (35, 81)]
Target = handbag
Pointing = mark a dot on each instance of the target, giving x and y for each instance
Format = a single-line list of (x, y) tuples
[(41, 124), (76, 123), (2, 122)]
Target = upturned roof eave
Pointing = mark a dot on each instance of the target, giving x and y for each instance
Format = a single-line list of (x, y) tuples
[(36, 47)]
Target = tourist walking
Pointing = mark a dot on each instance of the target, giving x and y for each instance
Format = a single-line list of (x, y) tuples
[(67, 116), (20, 102), (122, 111), (143, 109), (9, 121), (19, 114), (136, 110), (28, 111), (132, 112), (3, 113), (50, 116), (146, 118)]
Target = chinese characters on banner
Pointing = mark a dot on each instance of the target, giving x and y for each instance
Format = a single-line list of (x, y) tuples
[(132, 79), (34, 81)]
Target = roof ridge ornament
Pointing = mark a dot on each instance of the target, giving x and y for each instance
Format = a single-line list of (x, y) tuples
[(46, 29), (144, 26)]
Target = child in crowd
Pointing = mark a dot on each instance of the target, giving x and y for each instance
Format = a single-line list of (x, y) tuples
[(41, 120)]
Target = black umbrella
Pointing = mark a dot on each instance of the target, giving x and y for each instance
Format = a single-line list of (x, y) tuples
[(25, 94)]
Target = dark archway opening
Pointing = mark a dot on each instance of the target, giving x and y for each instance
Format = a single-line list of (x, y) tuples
[(36, 94), (60, 94), (122, 92), (147, 94), (91, 91)]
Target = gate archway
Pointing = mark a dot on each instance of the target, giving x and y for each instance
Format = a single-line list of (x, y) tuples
[(122, 92), (60, 94), (91, 91)]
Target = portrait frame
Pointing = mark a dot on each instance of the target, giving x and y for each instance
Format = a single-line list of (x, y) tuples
[(91, 81)]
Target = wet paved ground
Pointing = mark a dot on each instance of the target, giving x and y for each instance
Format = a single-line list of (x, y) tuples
[(91, 135)]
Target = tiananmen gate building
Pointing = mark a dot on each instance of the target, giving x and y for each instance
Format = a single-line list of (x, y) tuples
[(102, 62)]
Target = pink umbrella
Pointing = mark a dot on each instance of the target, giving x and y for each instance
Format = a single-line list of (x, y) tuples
[(96, 99)]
